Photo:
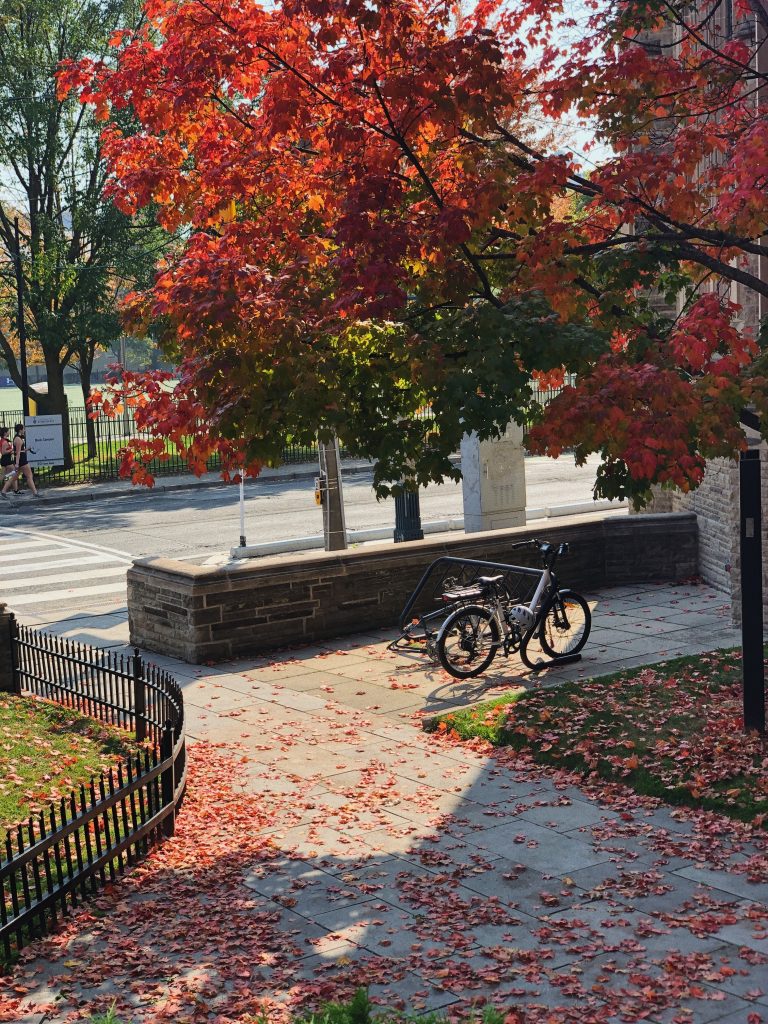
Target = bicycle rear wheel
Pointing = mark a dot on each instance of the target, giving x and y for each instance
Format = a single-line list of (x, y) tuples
[(566, 625), (468, 641)]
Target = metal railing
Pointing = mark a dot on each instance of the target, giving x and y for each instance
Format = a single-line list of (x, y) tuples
[(69, 850)]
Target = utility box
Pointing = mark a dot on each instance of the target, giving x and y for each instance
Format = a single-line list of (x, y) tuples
[(493, 481)]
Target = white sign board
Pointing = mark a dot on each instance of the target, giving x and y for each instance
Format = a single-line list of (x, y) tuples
[(45, 440)]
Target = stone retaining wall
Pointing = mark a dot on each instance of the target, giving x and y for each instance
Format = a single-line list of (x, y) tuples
[(210, 614)]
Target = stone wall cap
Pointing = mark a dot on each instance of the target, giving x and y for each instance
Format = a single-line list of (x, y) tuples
[(660, 517), (435, 545), (174, 567), (443, 543)]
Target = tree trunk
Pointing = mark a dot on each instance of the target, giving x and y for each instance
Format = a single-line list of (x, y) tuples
[(90, 426), (84, 370), (54, 403)]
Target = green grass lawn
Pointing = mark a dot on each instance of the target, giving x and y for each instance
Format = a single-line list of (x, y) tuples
[(46, 751), (672, 730)]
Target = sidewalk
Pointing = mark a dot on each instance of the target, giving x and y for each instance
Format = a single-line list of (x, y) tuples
[(98, 491), (327, 842)]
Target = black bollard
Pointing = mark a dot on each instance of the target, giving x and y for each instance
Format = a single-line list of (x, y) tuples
[(407, 517), (751, 549)]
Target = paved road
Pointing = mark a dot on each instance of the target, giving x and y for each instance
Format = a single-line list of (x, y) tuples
[(63, 561)]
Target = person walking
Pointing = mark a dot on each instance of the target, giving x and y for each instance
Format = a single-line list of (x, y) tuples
[(6, 454), (21, 465)]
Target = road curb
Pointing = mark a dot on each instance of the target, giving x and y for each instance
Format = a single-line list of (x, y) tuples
[(99, 492)]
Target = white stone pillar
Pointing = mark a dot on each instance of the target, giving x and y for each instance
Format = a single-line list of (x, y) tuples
[(493, 481)]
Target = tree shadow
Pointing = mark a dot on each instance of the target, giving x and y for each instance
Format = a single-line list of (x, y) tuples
[(344, 852)]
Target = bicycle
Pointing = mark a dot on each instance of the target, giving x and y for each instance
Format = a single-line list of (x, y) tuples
[(471, 636)]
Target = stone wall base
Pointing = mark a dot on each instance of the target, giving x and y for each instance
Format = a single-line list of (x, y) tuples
[(204, 614)]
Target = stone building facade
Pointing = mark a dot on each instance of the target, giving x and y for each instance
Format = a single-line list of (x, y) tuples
[(716, 501), (716, 506)]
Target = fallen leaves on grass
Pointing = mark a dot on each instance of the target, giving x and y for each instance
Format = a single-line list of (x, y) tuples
[(45, 751), (674, 730)]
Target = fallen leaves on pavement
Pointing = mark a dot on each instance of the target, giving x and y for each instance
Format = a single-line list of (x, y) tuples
[(356, 852)]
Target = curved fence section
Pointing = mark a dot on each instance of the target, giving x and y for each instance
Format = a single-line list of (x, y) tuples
[(68, 851)]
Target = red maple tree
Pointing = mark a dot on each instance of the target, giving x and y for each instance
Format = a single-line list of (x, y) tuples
[(372, 226)]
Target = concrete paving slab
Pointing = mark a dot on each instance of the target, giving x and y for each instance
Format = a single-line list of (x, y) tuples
[(650, 891), (748, 933), (614, 928), (728, 882), (550, 852), (368, 696), (412, 992), (523, 888), (578, 814), (643, 987), (718, 1008)]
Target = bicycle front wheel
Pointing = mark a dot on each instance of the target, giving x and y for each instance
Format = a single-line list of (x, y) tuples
[(468, 641), (566, 625)]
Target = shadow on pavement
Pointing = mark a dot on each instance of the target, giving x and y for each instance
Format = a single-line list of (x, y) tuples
[(321, 851)]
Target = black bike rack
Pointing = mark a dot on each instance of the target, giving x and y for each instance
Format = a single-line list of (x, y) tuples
[(425, 610)]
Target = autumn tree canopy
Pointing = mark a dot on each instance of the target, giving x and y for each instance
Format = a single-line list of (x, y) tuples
[(372, 226)]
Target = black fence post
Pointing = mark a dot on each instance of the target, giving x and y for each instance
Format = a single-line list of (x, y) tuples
[(10, 677), (751, 550), (139, 696), (168, 783)]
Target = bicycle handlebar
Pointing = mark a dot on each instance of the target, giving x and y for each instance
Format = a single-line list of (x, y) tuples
[(541, 545), (549, 552)]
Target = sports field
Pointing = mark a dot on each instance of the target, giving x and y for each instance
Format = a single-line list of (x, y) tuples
[(10, 398)]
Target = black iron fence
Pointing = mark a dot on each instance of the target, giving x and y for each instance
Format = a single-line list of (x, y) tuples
[(68, 851), (97, 458)]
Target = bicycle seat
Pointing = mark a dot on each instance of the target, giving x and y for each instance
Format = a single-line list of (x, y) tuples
[(486, 581)]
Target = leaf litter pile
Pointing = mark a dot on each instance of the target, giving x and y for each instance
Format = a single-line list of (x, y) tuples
[(320, 853)]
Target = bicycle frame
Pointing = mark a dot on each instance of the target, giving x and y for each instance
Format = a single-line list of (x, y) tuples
[(515, 638), (426, 608), (433, 602)]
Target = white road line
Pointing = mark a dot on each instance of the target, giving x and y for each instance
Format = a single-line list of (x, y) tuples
[(56, 563), (68, 577), (17, 555), (75, 545), (53, 596)]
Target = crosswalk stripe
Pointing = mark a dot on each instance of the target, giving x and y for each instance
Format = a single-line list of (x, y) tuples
[(28, 541), (56, 563), (17, 556), (41, 581), (52, 596)]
